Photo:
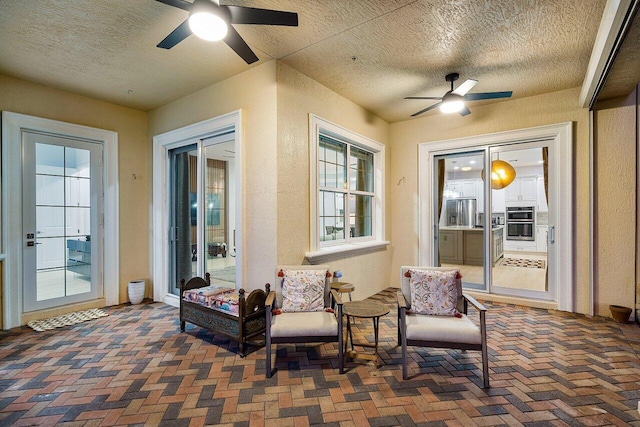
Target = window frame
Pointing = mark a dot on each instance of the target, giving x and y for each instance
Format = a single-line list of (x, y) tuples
[(323, 251)]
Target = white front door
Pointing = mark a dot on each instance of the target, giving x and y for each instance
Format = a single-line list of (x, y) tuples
[(62, 202)]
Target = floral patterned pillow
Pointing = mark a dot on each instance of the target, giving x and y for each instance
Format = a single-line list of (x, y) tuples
[(434, 292), (303, 290)]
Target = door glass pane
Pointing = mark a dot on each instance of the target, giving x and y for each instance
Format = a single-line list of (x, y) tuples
[(63, 230), (77, 162), (521, 210), (184, 215), (459, 196), (78, 191), (219, 218), (49, 190)]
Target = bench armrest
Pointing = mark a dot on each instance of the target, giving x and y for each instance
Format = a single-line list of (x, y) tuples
[(270, 299)]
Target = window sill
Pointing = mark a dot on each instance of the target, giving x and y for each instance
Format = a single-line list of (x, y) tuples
[(344, 251)]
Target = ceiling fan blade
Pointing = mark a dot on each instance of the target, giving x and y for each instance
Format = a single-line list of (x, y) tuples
[(431, 107), (251, 15), (180, 4), (465, 111), (487, 95), (465, 87), (182, 32), (423, 97), (235, 42)]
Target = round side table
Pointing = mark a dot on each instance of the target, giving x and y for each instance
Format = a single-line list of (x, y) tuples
[(343, 288), (364, 310)]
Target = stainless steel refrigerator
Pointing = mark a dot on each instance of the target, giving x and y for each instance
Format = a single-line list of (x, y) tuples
[(461, 212)]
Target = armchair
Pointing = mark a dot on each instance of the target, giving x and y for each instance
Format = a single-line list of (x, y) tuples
[(440, 331), (291, 319)]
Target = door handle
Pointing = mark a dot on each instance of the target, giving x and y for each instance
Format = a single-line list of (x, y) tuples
[(552, 234)]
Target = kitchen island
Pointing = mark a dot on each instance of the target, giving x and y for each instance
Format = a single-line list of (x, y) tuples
[(464, 246)]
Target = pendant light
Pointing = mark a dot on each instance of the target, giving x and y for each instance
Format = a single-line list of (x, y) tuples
[(502, 174)]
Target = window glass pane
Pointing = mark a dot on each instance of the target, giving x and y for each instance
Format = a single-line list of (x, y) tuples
[(361, 170), (331, 216), (331, 163), (360, 217)]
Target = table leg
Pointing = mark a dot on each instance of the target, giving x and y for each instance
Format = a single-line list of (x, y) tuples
[(376, 324), (346, 341)]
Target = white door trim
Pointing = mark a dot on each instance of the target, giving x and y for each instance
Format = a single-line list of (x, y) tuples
[(160, 234), (562, 137), (12, 125)]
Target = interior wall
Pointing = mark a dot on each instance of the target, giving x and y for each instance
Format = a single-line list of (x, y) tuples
[(298, 95), (134, 158), (253, 92), (511, 114), (615, 181)]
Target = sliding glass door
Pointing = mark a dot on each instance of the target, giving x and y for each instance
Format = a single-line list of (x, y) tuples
[(497, 227), (202, 212), (460, 209)]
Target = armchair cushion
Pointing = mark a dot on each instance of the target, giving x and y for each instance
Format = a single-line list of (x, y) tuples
[(303, 290), (309, 324), (441, 328), (434, 292)]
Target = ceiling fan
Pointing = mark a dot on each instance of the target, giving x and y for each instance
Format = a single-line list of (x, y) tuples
[(453, 100), (211, 21)]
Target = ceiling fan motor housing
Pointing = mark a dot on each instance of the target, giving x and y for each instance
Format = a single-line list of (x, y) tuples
[(452, 77)]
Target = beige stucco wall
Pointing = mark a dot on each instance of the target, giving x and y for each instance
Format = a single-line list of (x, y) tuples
[(298, 95), (513, 114), (24, 97), (615, 180), (254, 92)]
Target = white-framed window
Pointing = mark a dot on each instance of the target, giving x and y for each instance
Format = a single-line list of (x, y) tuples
[(347, 190)]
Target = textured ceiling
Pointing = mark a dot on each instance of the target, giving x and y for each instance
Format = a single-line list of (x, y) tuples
[(103, 48)]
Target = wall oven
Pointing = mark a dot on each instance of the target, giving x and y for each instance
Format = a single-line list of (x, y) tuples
[(520, 223)]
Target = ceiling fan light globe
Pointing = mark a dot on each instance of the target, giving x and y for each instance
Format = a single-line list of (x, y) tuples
[(208, 26), (452, 106), (451, 103)]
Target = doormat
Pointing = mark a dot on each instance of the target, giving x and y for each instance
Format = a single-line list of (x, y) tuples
[(518, 262), (226, 274), (66, 320)]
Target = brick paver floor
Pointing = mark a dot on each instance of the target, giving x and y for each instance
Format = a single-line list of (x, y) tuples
[(135, 367)]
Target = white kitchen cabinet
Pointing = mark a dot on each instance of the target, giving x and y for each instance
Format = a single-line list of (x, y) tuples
[(462, 187), (541, 198), (522, 190), (497, 200), (542, 232), (520, 246), (453, 187), (468, 188)]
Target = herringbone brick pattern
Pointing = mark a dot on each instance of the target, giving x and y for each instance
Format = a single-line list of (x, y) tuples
[(135, 367)]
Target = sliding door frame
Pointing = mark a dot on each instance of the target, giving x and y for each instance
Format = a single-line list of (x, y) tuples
[(160, 234), (561, 139)]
